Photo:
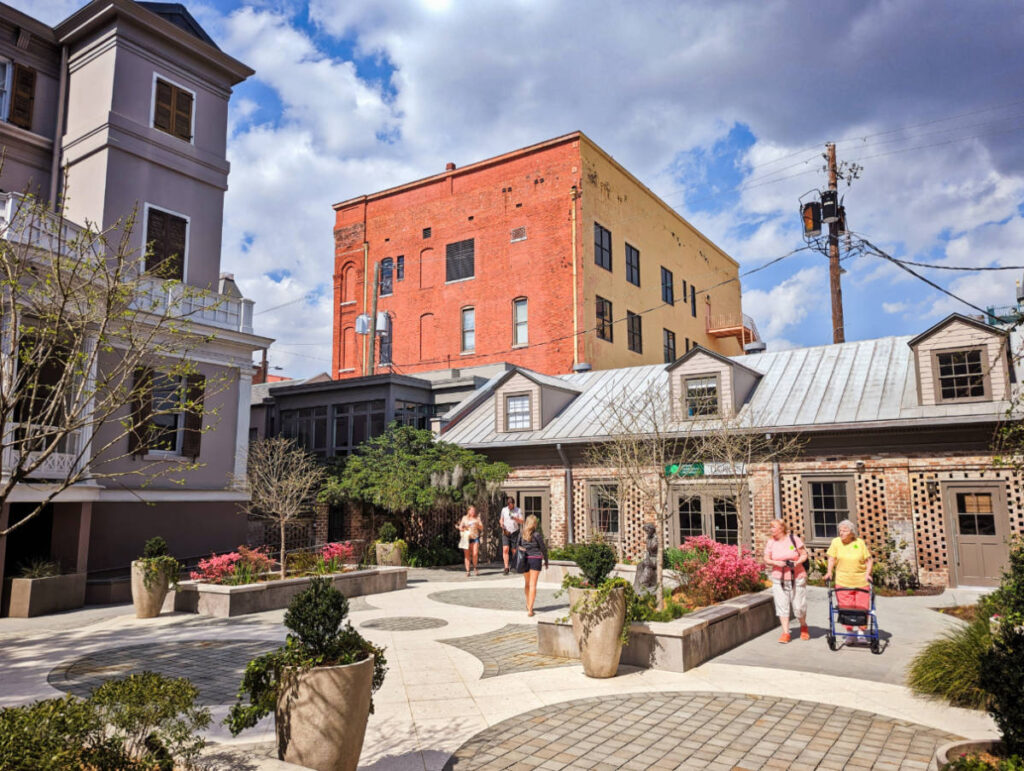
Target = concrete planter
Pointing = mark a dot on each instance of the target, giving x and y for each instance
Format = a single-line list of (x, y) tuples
[(27, 597), (598, 632), (389, 554), (677, 645), (321, 715), (225, 601), (947, 753), (148, 600)]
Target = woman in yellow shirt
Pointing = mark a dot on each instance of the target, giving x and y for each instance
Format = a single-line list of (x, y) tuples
[(851, 560)]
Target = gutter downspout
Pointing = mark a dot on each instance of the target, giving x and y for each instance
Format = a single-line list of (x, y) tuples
[(366, 269), (568, 494), (777, 490), (573, 195), (58, 132)]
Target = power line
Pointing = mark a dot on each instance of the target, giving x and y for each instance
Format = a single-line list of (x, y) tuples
[(306, 296), (960, 267), (939, 144)]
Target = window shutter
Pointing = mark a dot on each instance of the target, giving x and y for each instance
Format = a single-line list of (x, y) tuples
[(182, 115), (191, 439), (141, 409), (156, 238), (177, 231), (23, 96), (164, 107)]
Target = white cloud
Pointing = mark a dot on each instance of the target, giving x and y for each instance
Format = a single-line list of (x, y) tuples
[(783, 307), (897, 307)]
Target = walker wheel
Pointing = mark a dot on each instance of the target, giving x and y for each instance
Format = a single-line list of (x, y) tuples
[(831, 640), (876, 646)]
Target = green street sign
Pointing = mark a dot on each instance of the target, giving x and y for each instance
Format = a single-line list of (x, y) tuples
[(684, 470)]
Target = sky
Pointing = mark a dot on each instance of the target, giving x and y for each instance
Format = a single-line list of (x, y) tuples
[(721, 108)]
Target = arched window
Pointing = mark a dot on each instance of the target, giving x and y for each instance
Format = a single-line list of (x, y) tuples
[(348, 283), (426, 336), (387, 271)]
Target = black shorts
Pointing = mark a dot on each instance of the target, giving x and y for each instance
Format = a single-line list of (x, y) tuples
[(509, 540), (535, 563)]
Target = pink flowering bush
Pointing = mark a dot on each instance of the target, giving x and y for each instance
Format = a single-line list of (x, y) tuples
[(244, 566), (718, 571), (333, 556)]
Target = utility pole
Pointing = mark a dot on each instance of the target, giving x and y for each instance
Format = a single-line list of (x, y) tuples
[(373, 319), (838, 327)]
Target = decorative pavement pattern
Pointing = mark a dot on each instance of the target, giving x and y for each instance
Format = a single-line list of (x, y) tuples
[(454, 573), (404, 623), (214, 667), (718, 732), (501, 599), (513, 648)]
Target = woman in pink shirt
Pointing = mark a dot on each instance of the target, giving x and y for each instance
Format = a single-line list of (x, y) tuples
[(785, 554)]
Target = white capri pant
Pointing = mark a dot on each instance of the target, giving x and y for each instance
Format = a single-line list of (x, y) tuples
[(791, 597)]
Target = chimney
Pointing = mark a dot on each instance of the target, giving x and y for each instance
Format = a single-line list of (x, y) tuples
[(449, 166)]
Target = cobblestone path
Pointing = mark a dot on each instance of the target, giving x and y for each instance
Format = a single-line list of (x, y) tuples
[(513, 648), (493, 598), (717, 732), (404, 623)]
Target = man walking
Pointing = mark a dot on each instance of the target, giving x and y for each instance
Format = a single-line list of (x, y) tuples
[(511, 519)]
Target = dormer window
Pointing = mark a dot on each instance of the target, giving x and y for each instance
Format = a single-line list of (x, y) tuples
[(701, 394), (960, 375), (517, 412)]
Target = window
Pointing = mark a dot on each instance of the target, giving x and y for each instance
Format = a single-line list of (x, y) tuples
[(517, 234), (687, 349), (459, 260), (19, 94), (172, 109), (356, 422), (975, 514), (960, 375), (426, 232), (166, 243), (468, 330), (167, 413), (605, 509), (701, 396), (691, 521), (684, 290), (413, 414), (604, 319), (632, 265), (669, 345), (709, 511), (387, 271), (399, 267), (668, 291), (827, 506), (520, 330), (693, 301), (308, 427), (517, 412), (634, 333), (602, 247), (727, 521)]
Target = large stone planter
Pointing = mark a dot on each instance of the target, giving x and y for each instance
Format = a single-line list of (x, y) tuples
[(598, 632), (389, 554), (947, 753), (148, 600), (27, 597), (321, 715)]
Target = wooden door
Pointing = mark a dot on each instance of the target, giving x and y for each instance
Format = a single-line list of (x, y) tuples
[(707, 512), (536, 502), (980, 530)]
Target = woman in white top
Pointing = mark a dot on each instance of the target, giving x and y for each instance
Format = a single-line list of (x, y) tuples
[(471, 527)]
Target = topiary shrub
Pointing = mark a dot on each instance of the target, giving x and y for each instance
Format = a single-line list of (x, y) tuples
[(156, 562), (154, 547), (318, 636), (387, 533), (595, 561)]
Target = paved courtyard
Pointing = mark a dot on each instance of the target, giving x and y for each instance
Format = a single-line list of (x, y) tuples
[(464, 680)]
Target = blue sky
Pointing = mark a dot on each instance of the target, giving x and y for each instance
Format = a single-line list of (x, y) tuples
[(722, 108)]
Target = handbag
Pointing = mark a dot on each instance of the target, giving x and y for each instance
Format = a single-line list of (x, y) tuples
[(463, 540), (522, 561)]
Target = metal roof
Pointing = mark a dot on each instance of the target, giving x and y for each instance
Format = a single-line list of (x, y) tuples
[(850, 385)]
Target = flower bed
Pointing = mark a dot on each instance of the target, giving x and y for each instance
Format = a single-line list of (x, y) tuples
[(250, 566)]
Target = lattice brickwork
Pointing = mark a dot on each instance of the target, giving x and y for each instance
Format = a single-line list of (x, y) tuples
[(870, 508)]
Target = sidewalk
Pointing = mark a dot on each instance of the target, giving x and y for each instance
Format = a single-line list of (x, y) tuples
[(456, 672)]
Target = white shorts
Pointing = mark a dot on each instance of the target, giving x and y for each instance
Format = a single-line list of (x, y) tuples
[(791, 598)]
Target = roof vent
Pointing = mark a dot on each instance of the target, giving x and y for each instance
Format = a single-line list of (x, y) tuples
[(449, 166), (758, 346), (582, 367)]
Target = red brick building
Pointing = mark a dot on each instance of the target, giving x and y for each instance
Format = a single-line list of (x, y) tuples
[(547, 257)]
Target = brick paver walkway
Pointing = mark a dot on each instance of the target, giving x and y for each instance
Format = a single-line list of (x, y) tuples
[(513, 648), (214, 667), (717, 732), (404, 623), (501, 599), (453, 573)]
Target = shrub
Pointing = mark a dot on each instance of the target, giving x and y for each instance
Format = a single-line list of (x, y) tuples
[(722, 571), (333, 557), (155, 547), (949, 667), (38, 568), (387, 533), (595, 560), (156, 562), (436, 553), (1002, 678), (568, 552), (301, 563), (245, 566), (685, 561), (976, 763), (319, 636), (143, 722), (891, 570)]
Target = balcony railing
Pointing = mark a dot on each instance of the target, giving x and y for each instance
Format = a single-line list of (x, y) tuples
[(20, 223), (738, 325), (58, 465)]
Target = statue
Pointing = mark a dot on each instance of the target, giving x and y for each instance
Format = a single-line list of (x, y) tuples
[(647, 571)]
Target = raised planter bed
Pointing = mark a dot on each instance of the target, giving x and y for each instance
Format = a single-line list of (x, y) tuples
[(27, 597), (947, 753), (225, 601), (675, 645)]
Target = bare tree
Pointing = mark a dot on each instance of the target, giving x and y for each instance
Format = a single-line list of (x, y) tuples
[(283, 480), (94, 350), (648, 435)]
